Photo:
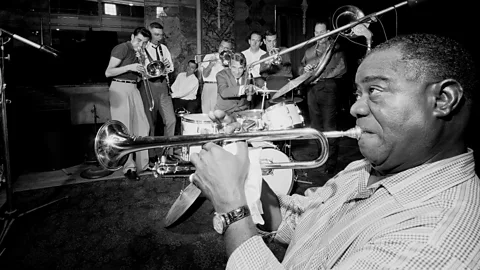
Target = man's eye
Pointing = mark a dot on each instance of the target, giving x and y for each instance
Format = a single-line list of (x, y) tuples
[(373, 90)]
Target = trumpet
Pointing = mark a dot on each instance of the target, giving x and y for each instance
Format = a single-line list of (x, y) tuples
[(277, 60), (113, 144), (224, 57)]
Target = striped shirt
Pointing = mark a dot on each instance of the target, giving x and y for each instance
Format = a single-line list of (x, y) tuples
[(427, 217)]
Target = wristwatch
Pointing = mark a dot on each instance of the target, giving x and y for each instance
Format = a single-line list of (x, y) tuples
[(222, 221)]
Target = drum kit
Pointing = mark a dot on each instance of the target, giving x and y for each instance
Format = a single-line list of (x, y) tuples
[(283, 115)]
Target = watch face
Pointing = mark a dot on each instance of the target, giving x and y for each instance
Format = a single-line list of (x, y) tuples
[(218, 224)]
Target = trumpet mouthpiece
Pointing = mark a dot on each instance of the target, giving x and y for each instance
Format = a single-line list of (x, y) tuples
[(353, 133)]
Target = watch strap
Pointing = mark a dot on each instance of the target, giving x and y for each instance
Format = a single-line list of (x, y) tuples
[(236, 215)]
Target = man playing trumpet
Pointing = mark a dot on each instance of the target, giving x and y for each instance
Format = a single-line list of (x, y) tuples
[(211, 65), (411, 203), (277, 71)]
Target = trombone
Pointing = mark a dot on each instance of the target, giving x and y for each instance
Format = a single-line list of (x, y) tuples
[(145, 75), (360, 19)]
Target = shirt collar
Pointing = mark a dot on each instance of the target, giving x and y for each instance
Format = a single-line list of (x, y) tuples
[(421, 182)]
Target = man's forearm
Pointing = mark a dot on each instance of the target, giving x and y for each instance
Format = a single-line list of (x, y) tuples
[(112, 72), (239, 232), (207, 71)]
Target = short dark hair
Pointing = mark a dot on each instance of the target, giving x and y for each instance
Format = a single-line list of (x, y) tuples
[(254, 32), (435, 58), (143, 31), (269, 32), (239, 57), (156, 25), (327, 23), (193, 62), (228, 40)]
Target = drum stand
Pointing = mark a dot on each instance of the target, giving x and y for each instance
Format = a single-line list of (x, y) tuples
[(11, 213)]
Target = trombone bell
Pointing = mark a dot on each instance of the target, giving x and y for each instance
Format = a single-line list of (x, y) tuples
[(345, 15)]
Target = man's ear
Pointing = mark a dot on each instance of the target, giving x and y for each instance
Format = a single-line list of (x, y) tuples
[(448, 96)]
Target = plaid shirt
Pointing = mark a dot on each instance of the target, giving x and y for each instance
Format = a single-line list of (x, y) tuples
[(427, 217)]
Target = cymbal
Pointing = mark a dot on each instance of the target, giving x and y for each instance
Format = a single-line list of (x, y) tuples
[(292, 84), (180, 206), (266, 91), (287, 100)]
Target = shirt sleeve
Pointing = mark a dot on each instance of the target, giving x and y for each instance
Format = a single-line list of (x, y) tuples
[(253, 254), (120, 51), (166, 54), (207, 58), (386, 252)]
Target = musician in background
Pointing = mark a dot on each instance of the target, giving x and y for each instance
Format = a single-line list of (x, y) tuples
[(160, 90), (232, 91), (125, 101), (211, 65), (252, 54), (278, 71), (322, 92), (185, 87)]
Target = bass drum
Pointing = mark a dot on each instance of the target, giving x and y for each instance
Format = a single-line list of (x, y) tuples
[(279, 180)]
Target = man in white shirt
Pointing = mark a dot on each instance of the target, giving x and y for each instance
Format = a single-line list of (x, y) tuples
[(209, 72), (184, 89), (159, 86), (253, 54)]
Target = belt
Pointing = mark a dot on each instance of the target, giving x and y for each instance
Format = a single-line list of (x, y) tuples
[(125, 81), (208, 82)]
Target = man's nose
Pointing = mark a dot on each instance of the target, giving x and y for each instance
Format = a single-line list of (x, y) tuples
[(360, 108)]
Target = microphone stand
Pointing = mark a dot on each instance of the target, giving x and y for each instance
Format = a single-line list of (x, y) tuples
[(11, 213)]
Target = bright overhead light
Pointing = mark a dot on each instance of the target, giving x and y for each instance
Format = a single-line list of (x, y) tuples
[(58, 29), (131, 4)]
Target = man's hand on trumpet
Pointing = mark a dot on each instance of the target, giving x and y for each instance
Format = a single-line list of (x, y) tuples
[(221, 175)]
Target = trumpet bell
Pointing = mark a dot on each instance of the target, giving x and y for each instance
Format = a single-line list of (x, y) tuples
[(155, 69), (345, 15)]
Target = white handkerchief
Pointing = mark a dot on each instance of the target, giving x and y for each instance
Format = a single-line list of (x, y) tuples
[(253, 183)]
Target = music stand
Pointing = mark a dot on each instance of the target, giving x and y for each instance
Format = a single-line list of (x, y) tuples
[(11, 213)]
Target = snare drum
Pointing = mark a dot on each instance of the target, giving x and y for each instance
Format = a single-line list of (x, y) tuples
[(279, 180), (197, 123), (283, 116)]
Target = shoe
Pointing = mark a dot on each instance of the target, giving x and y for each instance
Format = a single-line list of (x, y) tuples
[(132, 175), (152, 160)]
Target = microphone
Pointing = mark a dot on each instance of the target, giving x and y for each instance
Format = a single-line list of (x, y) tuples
[(43, 48)]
